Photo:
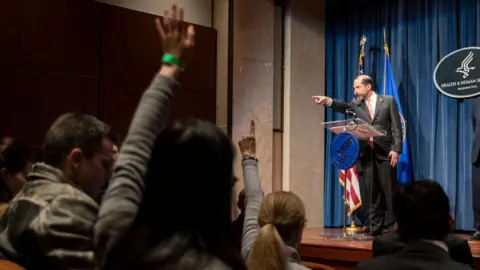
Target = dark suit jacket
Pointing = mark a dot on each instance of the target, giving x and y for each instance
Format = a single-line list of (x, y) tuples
[(386, 118), (391, 243), (476, 129), (416, 255)]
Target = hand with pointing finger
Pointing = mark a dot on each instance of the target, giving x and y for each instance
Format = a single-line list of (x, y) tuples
[(322, 100), (247, 144)]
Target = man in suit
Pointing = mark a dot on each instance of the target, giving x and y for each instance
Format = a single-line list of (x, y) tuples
[(391, 243), (476, 167), (379, 155), (423, 217)]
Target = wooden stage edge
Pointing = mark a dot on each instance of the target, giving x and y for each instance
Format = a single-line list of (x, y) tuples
[(325, 246)]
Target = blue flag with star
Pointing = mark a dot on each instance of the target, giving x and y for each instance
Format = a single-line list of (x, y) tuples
[(404, 167)]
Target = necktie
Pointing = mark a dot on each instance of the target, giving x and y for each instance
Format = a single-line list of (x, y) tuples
[(370, 110)]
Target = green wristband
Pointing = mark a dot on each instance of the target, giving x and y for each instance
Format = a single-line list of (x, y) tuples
[(172, 60)]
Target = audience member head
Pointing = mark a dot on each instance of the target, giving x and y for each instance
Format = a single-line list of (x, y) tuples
[(78, 144), (15, 163), (422, 210), (362, 85), (4, 141), (190, 181), (282, 219), (241, 201)]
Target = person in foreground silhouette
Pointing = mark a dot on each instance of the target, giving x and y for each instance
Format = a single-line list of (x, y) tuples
[(15, 164), (238, 223), (156, 214), (423, 216), (49, 222), (458, 248)]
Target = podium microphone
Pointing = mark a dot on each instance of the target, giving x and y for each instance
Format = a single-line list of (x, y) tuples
[(357, 101), (351, 112)]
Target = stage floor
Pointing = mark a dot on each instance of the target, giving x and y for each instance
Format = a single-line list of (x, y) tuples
[(322, 246)]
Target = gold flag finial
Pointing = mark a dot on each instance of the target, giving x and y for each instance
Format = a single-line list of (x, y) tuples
[(384, 36), (363, 41), (385, 45)]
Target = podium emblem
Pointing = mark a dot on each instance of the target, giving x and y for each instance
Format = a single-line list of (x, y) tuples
[(344, 151)]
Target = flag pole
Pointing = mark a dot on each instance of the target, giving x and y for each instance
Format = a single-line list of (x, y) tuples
[(387, 54), (353, 229)]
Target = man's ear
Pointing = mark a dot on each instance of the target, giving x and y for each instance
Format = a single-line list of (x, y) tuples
[(369, 86), (452, 222), (75, 157)]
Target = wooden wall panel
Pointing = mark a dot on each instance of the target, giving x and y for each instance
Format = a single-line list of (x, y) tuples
[(119, 100), (33, 98), (131, 48), (80, 55), (48, 64), (131, 55), (61, 35)]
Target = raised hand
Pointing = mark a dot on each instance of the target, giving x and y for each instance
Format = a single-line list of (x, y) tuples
[(321, 100), (247, 144), (177, 37)]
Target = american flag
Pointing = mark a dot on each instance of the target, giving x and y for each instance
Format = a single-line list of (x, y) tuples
[(350, 178), (361, 57), (352, 189)]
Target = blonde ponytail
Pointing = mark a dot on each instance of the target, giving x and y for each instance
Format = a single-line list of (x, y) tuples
[(268, 251)]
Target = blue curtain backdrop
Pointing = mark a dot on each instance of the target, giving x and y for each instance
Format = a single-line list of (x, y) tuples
[(439, 128)]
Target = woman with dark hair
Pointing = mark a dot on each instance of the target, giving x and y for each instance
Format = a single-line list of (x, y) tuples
[(185, 217), (169, 203), (15, 163)]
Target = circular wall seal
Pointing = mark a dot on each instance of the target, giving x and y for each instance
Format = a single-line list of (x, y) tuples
[(457, 75)]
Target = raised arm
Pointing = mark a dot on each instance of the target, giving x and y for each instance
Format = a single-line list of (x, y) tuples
[(123, 198), (336, 105), (253, 191)]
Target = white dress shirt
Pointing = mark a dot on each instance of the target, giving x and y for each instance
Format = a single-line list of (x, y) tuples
[(373, 100)]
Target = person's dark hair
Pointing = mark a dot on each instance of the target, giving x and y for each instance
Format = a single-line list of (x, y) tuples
[(186, 208), (422, 210), (73, 130), (5, 140), (14, 158), (241, 200), (365, 80)]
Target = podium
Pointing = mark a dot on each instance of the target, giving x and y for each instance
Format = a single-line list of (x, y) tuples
[(357, 127), (345, 152)]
